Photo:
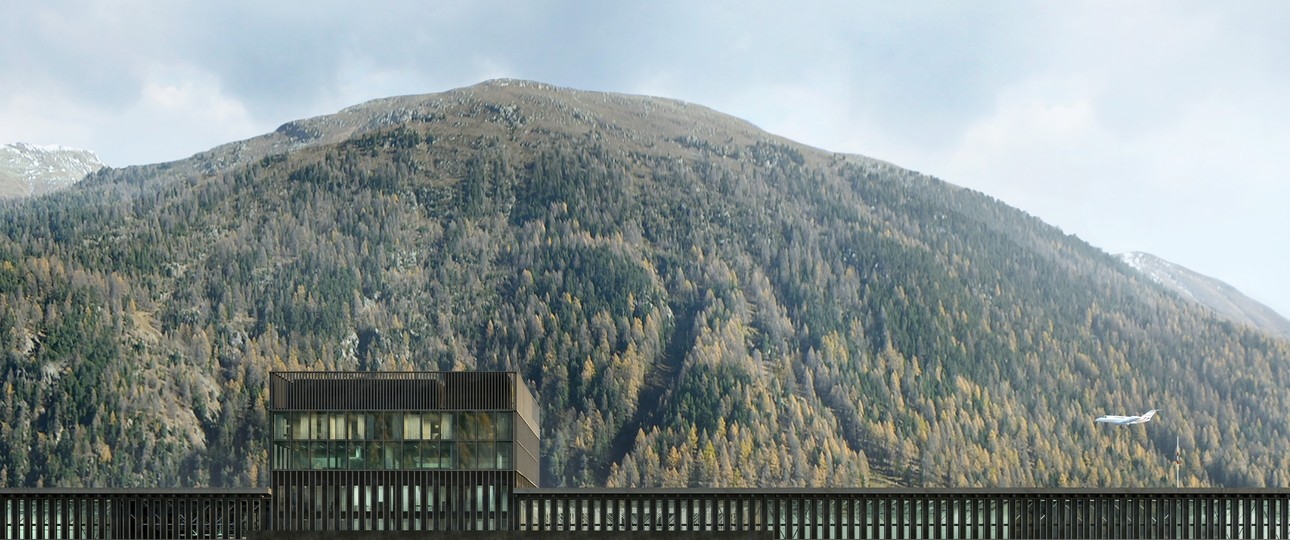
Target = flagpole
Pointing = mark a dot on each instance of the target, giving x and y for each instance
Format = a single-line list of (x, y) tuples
[(1177, 464)]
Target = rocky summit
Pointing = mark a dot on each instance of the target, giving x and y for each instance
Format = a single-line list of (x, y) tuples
[(27, 170)]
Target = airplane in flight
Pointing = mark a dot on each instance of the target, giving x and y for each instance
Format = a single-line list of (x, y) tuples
[(1127, 420)]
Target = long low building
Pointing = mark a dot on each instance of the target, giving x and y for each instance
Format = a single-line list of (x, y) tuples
[(133, 513), (915, 513), (779, 513), (458, 451)]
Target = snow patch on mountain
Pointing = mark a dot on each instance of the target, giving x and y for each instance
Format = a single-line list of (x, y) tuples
[(1206, 291), (28, 169), (1159, 271)]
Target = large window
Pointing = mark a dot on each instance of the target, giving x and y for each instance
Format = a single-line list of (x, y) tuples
[(481, 440)]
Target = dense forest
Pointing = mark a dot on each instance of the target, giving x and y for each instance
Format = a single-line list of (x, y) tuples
[(696, 302)]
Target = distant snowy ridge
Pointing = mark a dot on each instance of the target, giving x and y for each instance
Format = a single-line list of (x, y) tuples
[(1208, 292), (27, 169)]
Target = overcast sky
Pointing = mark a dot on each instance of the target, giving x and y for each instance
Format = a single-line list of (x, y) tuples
[(1158, 126)]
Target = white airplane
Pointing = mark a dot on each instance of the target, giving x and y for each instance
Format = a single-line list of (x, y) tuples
[(1127, 420)]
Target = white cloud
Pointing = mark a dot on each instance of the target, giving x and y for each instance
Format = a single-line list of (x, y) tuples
[(42, 116), (184, 110), (1040, 148), (177, 111), (187, 92)]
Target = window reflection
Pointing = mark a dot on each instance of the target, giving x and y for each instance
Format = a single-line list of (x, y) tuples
[(465, 426), (504, 426), (337, 426), (412, 427), (430, 455), (299, 456), (385, 426), (445, 420), (393, 440), (300, 424), (393, 456), (354, 453), (504, 456), (318, 426), (447, 455), (436, 426), (357, 426), (412, 458)]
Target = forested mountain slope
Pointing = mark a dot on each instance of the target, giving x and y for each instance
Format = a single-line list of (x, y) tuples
[(697, 302)]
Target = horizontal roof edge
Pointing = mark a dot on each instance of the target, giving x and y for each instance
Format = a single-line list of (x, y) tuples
[(789, 491), (135, 491)]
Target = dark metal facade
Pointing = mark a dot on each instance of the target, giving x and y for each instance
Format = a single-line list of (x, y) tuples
[(900, 513), (400, 451), (393, 500), (398, 392), (132, 513), (394, 390), (472, 500)]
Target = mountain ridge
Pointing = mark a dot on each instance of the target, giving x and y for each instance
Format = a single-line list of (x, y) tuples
[(380, 113), (799, 317), (1208, 291)]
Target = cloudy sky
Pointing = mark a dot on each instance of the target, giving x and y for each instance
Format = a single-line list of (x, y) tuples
[(1158, 126)]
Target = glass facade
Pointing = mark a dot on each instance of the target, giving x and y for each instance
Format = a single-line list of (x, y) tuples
[(385, 440)]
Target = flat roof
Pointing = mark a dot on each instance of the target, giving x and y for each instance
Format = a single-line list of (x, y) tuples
[(136, 491), (306, 375), (898, 491), (398, 390)]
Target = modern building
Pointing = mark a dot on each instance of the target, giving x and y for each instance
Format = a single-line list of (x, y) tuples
[(452, 451), (133, 513), (400, 451)]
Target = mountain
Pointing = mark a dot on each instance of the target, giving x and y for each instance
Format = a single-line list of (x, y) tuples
[(1209, 292), (27, 170), (695, 301)]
